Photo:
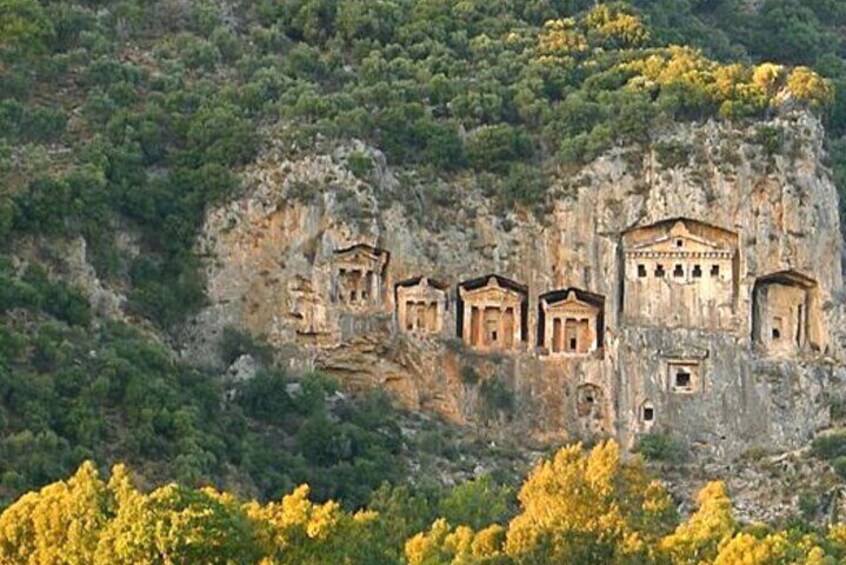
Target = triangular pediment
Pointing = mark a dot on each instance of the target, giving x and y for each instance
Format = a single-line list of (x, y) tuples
[(360, 254), (571, 304), (679, 240), (421, 287), (491, 291)]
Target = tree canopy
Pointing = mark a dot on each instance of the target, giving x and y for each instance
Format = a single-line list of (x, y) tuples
[(578, 507)]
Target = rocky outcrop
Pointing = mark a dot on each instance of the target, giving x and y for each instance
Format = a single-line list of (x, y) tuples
[(679, 359)]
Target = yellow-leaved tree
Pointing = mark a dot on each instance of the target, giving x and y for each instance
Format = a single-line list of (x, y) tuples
[(589, 508), (616, 28), (809, 87), (298, 531), (699, 539), (61, 523), (576, 508), (174, 524), (442, 544)]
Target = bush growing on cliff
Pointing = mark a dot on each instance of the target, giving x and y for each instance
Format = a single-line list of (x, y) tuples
[(498, 399), (661, 447), (829, 447)]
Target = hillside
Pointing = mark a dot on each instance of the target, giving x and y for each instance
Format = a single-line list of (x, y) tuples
[(174, 176)]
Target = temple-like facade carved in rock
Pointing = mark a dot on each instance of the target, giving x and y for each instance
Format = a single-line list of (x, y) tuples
[(492, 313), (680, 273), (570, 322), (785, 313), (358, 276), (421, 305)]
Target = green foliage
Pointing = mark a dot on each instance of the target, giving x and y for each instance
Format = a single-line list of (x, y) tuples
[(234, 343), (493, 147), (809, 505), (497, 397), (673, 154), (661, 447), (478, 503), (23, 26), (469, 375), (73, 390), (360, 164), (829, 447), (770, 138)]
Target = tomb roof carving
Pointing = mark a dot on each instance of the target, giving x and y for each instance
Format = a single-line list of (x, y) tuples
[(493, 281), (680, 242), (572, 296), (790, 277), (362, 252), (423, 281)]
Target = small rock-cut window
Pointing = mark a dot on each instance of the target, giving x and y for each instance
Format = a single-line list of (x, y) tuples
[(776, 328), (648, 413), (697, 271), (715, 270), (678, 271), (659, 271), (641, 271), (683, 380)]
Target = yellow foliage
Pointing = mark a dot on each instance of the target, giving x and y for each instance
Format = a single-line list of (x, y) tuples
[(423, 547), (746, 549), (624, 29), (577, 501), (807, 86), (768, 77), (578, 507), (488, 542), (459, 546), (561, 38), (295, 518), (60, 523), (708, 528), (736, 89)]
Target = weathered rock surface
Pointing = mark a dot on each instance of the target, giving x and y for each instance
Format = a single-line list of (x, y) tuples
[(270, 271)]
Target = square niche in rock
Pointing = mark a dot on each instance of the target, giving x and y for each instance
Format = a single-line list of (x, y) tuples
[(683, 376)]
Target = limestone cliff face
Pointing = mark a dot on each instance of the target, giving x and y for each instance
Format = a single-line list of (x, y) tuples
[(707, 273)]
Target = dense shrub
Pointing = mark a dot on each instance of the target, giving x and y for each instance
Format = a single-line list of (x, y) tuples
[(661, 447), (829, 447)]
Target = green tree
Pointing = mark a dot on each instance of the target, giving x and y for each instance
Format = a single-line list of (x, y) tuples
[(23, 26)]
